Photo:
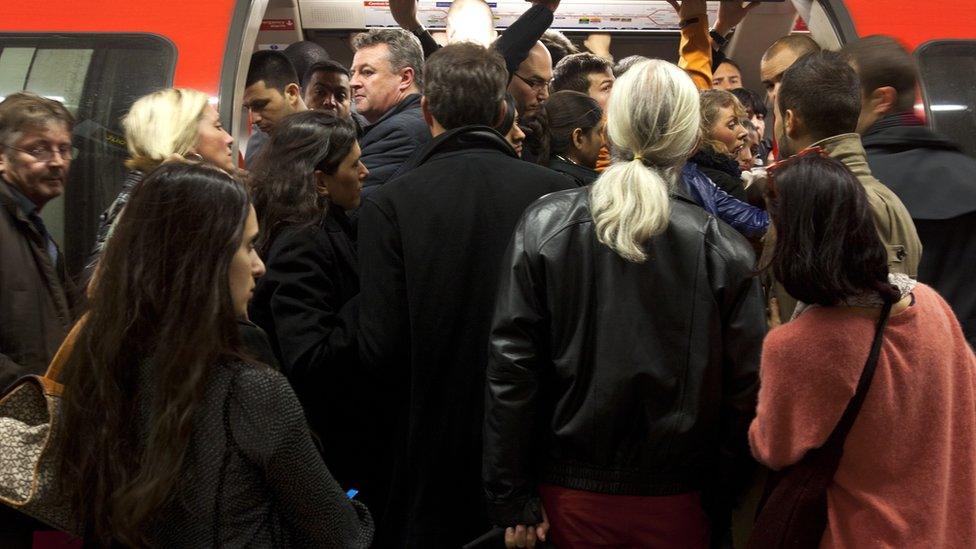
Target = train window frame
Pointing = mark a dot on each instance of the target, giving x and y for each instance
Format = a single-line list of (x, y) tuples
[(97, 171), (958, 122)]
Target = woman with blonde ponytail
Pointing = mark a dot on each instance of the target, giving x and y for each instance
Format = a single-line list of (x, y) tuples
[(624, 348)]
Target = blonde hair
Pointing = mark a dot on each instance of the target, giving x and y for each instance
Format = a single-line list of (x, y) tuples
[(653, 124), (712, 102), (161, 125)]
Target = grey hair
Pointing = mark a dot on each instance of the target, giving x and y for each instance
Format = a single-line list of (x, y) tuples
[(405, 50), (653, 125)]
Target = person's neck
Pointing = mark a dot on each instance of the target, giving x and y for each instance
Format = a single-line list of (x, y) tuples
[(436, 129)]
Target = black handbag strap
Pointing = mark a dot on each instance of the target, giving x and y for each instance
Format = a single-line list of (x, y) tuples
[(836, 438)]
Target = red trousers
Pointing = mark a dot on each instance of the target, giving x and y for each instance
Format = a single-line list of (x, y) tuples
[(582, 520)]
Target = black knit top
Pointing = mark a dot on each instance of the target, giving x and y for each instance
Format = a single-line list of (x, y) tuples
[(253, 476)]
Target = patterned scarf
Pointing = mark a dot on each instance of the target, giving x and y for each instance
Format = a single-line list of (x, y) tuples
[(903, 282)]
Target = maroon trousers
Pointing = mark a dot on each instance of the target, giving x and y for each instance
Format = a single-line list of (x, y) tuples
[(582, 520)]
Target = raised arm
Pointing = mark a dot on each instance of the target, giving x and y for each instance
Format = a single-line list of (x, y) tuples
[(695, 50), (514, 44)]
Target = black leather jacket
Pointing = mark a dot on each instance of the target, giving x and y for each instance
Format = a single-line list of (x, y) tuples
[(618, 377)]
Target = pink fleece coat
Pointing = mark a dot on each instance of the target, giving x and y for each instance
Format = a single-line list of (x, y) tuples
[(908, 475)]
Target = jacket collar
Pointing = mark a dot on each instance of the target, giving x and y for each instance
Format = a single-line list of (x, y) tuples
[(459, 139), (16, 203), (404, 104), (581, 174), (848, 149), (710, 158), (900, 131)]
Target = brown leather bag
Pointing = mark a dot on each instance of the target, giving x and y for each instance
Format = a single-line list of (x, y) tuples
[(794, 511), (29, 415)]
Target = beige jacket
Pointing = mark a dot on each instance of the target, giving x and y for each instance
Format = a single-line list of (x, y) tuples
[(894, 223), (895, 226)]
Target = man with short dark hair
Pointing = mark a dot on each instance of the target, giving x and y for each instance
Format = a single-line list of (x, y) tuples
[(430, 245), (818, 103), (327, 88), (387, 76), (271, 92), (727, 76), (780, 56), (36, 295), (585, 73), (930, 174)]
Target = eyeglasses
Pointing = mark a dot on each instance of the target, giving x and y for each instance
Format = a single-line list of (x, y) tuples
[(537, 84), (45, 154), (778, 166)]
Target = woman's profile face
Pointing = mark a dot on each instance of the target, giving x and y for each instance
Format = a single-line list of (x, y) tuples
[(729, 131), (246, 266), (213, 142), (589, 144), (516, 136), (344, 187)]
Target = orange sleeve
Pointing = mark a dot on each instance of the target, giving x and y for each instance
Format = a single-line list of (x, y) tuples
[(695, 53)]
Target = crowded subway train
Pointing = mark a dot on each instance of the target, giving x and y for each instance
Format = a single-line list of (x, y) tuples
[(475, 273)]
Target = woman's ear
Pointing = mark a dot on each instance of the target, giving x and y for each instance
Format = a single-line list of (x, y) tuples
[(320, 183), (577, 138)]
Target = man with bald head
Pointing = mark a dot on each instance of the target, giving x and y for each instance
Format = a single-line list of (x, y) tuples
[(470, 21), (530, 82), (781, 56)]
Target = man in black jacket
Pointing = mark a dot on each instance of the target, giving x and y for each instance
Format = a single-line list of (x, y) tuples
[(431, 244), (931, 175), (386, 82)]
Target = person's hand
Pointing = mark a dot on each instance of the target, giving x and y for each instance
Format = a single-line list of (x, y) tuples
[(599, 44), (774, 319), (731, 14), (689, 8), (551, 4), (405, 13), (526, 536)]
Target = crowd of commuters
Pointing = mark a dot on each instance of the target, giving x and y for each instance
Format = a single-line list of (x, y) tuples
[(505, 290)]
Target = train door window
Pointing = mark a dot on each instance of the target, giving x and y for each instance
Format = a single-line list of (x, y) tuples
[(947, 71), (97, 77)]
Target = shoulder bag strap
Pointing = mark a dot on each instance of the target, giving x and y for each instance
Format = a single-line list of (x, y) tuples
[(863, 385)]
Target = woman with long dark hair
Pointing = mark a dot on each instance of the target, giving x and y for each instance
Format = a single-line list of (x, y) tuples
[(571, 135), (306, 178), (171, 435), (509, 126), (907, 477), (624, 347)]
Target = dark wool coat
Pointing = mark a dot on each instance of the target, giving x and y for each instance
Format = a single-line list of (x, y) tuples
[(937, 184), (431, 248)]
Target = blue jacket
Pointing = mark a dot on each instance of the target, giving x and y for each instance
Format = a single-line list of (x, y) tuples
[(389, 142), (745, 218)]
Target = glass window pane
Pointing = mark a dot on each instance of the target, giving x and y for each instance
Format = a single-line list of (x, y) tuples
[(14, 64), (97, 77), (948, 77), (60, 75)]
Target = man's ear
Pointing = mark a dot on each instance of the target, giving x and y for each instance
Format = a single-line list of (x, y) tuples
[(425, 109), (882, 100), (502, 111), (793, 124), (406, 78), (293, 95)]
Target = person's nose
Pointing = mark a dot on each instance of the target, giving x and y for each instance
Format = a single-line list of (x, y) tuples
[(330, 102), (543, 93), (257, 266), (57, 160), (363, 171)]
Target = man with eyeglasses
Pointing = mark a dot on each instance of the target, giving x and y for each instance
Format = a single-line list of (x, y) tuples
[(36, 295), (530, 83)]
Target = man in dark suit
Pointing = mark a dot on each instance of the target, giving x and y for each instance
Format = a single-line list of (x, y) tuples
[(930, 174), (386, 83), (431, 245)]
